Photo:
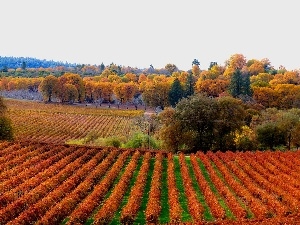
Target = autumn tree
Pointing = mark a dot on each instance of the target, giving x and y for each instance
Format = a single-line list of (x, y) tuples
[(156, 91), (236, 61), (48, 87), (212, 87), (265, 96), (171, 68), (289, 77), (261, 80), (131, 77), (125, 91), (196, 70), (71, 93), (65, 88), (77, 81), (288, 96), (256, 67), (103, 91), (89, 87)]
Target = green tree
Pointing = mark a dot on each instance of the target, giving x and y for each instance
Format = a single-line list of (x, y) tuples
[(239, 84), (212, 64), (246, 88), (176, 92), (196, 62), (102, 67), (235, 86), (202, 123), (189, 85), (270, 135), (197, 115), (231, 118), (6, 130), (5, 69), (23, 65), (288, 122)]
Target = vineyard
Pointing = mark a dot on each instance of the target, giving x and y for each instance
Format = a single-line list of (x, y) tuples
[(55, 123), (63, 184)]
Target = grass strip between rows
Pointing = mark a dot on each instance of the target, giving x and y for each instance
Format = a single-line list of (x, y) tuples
[(116, 218), (141, 219), (164, 214), (186, 216)]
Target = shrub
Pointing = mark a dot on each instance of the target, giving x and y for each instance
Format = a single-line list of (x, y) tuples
[(6, 130), (140, 140)]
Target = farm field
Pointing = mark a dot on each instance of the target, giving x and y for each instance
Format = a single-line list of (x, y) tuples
[(55, 123), (64, 184)]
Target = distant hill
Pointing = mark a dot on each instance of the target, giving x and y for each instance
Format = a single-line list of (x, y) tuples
[(28, 62)]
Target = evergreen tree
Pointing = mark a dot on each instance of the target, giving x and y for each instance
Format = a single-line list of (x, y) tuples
[(175, 93), (196, 62), (23, 65), (240, 84), (102, 67), (246, 89), (189, 85), (235, 86)]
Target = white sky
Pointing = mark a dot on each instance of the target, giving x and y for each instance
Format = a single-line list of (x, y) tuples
[(138, 33)]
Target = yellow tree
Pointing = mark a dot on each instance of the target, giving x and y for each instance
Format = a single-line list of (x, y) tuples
[(142, 77), (256, 68), (48, 87), (287, 95), (156, 92), (289, 77), (212, 87), (196, 70), (265, 96), (125, 91), (71, 93), (114, 78), (77, 81), (131, 77), (261, 80), (236, 61), (89, 87)]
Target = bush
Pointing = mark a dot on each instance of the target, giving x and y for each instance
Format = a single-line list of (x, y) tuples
[(6, 130), (110, 141), (140, 140)]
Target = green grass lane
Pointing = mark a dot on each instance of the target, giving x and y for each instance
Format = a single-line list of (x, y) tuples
[(185, 216), (164, 214), (141, 219), (221, 201), (249, 213), (207, 214), (116, 218)]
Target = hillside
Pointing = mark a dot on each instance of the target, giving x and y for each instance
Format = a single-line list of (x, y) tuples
[(54, 184), (30, 62), (56, 123)]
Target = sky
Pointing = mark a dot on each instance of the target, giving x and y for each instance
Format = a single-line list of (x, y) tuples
[(138, 33)]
